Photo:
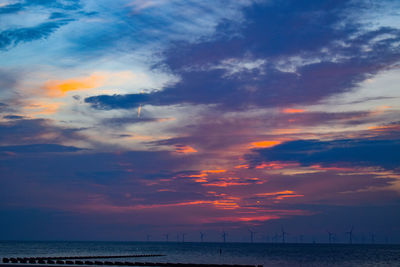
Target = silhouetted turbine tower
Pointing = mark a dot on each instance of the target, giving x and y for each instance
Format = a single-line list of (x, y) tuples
[(148, 237), (252, 233), (166, 237), (350, 233), (202, 236), (283, 234), (224, 236), (372, 238), (275, 238), (183, 237), (330, 235)]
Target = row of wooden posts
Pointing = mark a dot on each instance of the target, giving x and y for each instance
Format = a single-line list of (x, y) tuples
[(63, 261)]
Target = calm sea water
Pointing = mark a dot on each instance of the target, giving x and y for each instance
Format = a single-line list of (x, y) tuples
[(232, 253)]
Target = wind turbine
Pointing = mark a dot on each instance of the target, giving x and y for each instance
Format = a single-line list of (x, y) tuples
[(183, 237), (330, 235), (202, 236), (148, 237), (373, 238), (166, 237), (224, 236), (350, 233), (283, 234), (252, 233), (275, 238)]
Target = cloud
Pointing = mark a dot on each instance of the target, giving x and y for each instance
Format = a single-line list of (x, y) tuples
[(13, 117), (346, 56), (149, 26), (12, 37), (293, 110), (349, 152), (58, 88), (39, 148), (36, 131), (122, 121), (243, 77), (13, 7), (8, 80), (140, 5), (118, 101), (184, 149)]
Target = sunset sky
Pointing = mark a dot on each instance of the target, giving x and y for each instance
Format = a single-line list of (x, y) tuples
[(124, 118)]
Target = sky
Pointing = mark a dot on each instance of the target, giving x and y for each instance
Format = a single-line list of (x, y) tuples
[(126, 118)]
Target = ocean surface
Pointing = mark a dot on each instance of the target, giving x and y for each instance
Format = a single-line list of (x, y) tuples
[(266, 254)]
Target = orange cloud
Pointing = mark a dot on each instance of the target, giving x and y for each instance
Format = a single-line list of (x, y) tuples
[(285, 131), (380, 110), (319, 167), (42, 108), (257, 218), (58, 88), (243, 166), (185, 149), (225, 184), (264, 144), (280, 195), (275, 193), (230, 181), (166, 190), (99, 205), (228, 203), (197, 175), (293, 110), (383, 128), (276, 165), (213, 171), (202, 177), (286, 196), (201, 180)]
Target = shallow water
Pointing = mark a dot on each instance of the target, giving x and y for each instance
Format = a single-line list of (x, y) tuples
[(231, 253)]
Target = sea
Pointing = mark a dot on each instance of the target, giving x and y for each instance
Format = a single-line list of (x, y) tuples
[(266, 254)]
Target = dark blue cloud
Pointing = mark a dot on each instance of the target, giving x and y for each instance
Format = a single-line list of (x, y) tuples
[(13, 117), (39, 148), (215, 133), (58, 15), (64, 5), (273, 29), (275, 32), (11, 8), (121, 121), (24, 5), (61, 12), (349, 152), (13, 37), (31, 131), (4, 108), (118, 101)]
